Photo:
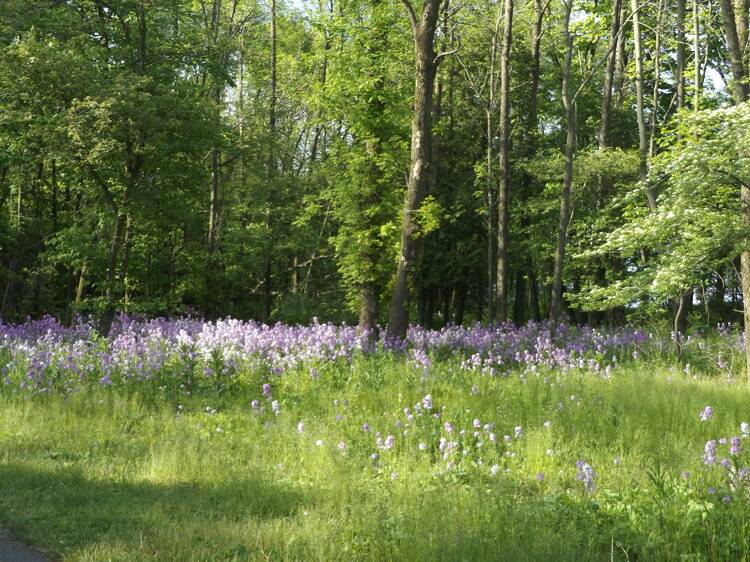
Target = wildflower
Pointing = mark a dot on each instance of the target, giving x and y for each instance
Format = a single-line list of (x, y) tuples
[(507, 438), (586, 475), (547, 424), (267, 391), (276, 407), (319, 443), (493, 438), (394, 475), (255, 405), (422, 446), (494, 469), (366, 427), (727, 499), (540, 476), (735, 448), (448, 427), (427, 402), (301, 427), (390, 441), (706, 413), (474, 389), (477, 423), (745, 429), (518, 431), (342, 447), (709, 452)]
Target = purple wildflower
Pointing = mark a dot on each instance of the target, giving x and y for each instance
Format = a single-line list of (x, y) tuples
[(735, 448), (709, 452), (586, 475)]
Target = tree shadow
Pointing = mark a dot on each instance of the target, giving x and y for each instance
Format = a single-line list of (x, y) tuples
[(63, 511)]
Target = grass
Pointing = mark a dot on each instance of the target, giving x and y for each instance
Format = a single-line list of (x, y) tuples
[(165, 474)]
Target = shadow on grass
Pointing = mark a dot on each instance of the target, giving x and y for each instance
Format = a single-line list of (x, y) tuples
[(63, 511)]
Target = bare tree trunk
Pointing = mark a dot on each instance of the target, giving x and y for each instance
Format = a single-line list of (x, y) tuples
[(503, 277), (536, 312), (213, 204), (421, 132), (267, 277), (620, 62), (681, 304), (696, 57), (657, 80), (642, 135), (491, 219), (109, 292), (570, 147), (680, 69), (609, 75), (530, 149), (81, 284), (125, 265)]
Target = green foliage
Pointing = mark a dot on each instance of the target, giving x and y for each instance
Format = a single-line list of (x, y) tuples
[(696, 228)]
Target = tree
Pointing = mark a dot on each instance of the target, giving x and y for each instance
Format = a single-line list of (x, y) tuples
[(425, 68)]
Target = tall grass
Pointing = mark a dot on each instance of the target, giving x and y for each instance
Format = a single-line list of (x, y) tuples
[(179, 473)]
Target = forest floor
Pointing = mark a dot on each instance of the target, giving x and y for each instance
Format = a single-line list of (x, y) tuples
[(377, 460)]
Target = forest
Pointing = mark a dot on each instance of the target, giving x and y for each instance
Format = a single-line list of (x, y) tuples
[(374, 161), (374, 280)]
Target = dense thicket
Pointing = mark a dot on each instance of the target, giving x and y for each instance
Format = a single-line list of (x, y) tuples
[(505, 160)]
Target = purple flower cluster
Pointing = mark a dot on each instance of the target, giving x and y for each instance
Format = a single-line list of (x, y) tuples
[(586, 474), (707, 413), (44, 355)]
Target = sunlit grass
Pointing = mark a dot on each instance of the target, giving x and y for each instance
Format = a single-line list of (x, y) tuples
[(157, 474)]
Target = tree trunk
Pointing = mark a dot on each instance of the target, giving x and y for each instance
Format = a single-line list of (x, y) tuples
[(109, 292), (267, 276), (642, 135), (570, 147), (680, 69), (609, 76), (459, 305), (620, 62), (81, 284), (368, 310), (491, 221), (503, 277), (529, 151), (519, 303), (421, 133), (740, 95), (696, 57), (657, 80), (536, 311)]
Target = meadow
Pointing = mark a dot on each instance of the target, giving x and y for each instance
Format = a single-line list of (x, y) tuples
[(180, 440)]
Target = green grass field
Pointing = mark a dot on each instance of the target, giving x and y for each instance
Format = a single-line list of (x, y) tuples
[(117, 475)]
